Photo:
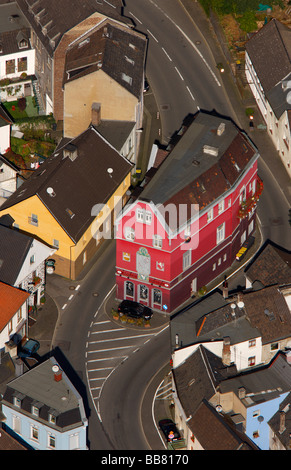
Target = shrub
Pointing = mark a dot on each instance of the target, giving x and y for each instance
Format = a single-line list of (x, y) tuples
[(21, 104)]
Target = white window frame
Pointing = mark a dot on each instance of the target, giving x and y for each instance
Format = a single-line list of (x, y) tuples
[(220, 233), (220, 207), (33, 427), (210, 215), (186, 259), (157, 241), (129, 233)]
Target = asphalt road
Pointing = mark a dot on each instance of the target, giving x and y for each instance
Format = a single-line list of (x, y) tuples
[(183, 77)]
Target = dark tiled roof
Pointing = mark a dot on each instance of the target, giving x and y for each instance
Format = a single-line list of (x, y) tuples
[(115, 132), (188, 173), (268, 311), (118, 51), (5, 119), (283, 435), (198, 378), (8, 442), (56, 397), (9, 41), (215, 431), (61, 16), (270, 51), (70, 189), (14, 247), (271, 265), (261, 383)]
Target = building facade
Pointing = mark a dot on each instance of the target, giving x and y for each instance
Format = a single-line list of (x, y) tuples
[(191, 219)]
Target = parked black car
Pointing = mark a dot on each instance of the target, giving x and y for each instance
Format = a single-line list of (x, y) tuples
[(134, 309), (170, 430)]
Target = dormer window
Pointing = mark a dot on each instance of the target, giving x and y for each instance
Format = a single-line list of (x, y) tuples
[(17, 399), (23, 44)]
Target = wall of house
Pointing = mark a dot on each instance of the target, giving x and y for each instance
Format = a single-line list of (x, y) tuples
[(17, 324), (258, 429), (47, 229), (28, 54), (278, 129), (4, 138), (59, 61), (8, 180), (26, 424), (116, 102), (167, 272)]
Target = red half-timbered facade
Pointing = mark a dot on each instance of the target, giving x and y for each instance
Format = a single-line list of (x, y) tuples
[(192, 216)]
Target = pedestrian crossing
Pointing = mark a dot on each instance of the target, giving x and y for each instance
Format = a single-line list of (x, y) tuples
[(109, 345)]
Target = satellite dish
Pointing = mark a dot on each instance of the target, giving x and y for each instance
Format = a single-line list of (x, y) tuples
[(50, 191), (110, 170), (218, 408), (55, 368), (240, 304), (233, 306)]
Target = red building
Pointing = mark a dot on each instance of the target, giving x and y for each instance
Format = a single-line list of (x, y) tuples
[(192, 216)]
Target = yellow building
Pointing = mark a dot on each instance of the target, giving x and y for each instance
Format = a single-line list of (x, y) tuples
[(71, 201)]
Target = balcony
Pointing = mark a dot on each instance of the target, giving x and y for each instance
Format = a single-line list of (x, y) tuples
[(250, 203)]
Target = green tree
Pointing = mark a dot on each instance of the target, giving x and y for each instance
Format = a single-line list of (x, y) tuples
[(248, 21)]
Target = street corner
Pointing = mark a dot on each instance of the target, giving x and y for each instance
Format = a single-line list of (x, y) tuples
[(157, 320)]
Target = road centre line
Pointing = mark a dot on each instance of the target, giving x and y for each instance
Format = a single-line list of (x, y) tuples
[(189, 40), (190, 93), (167, 54), (152, 35), (135, 17), (179, 73)]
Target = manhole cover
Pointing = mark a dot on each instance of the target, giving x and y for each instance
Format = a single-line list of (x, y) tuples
[(165, 107), (95, 294), (276, 221), (72, 287), (197, 42)]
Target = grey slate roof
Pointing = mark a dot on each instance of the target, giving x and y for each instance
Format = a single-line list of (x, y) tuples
[(118, 51), (189, 176), (14, 247), (70, 189), (265, 313), (60, 398), (270, 52), (261, 383), (61, 16), (271, 265), (115, 132), (198, 378)]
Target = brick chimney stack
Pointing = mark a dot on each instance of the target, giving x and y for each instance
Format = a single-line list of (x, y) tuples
[(96, 114)]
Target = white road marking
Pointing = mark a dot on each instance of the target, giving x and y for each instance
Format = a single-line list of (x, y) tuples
[(179, 73), (167, 54), (152, 35)]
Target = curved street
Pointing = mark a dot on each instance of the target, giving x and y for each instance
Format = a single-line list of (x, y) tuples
[(183, 77)]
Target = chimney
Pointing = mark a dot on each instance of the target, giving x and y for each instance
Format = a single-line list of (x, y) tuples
[(57, 373), (225, 288), (221, 128), (96, 114), (226, 351)]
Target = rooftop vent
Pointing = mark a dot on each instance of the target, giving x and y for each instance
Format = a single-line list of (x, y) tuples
[(57, 373), (221, 128), (70, 151), (51, 192), (210, 150)]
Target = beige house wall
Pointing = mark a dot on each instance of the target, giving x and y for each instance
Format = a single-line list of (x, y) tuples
[(60, 58), (116, 102)]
